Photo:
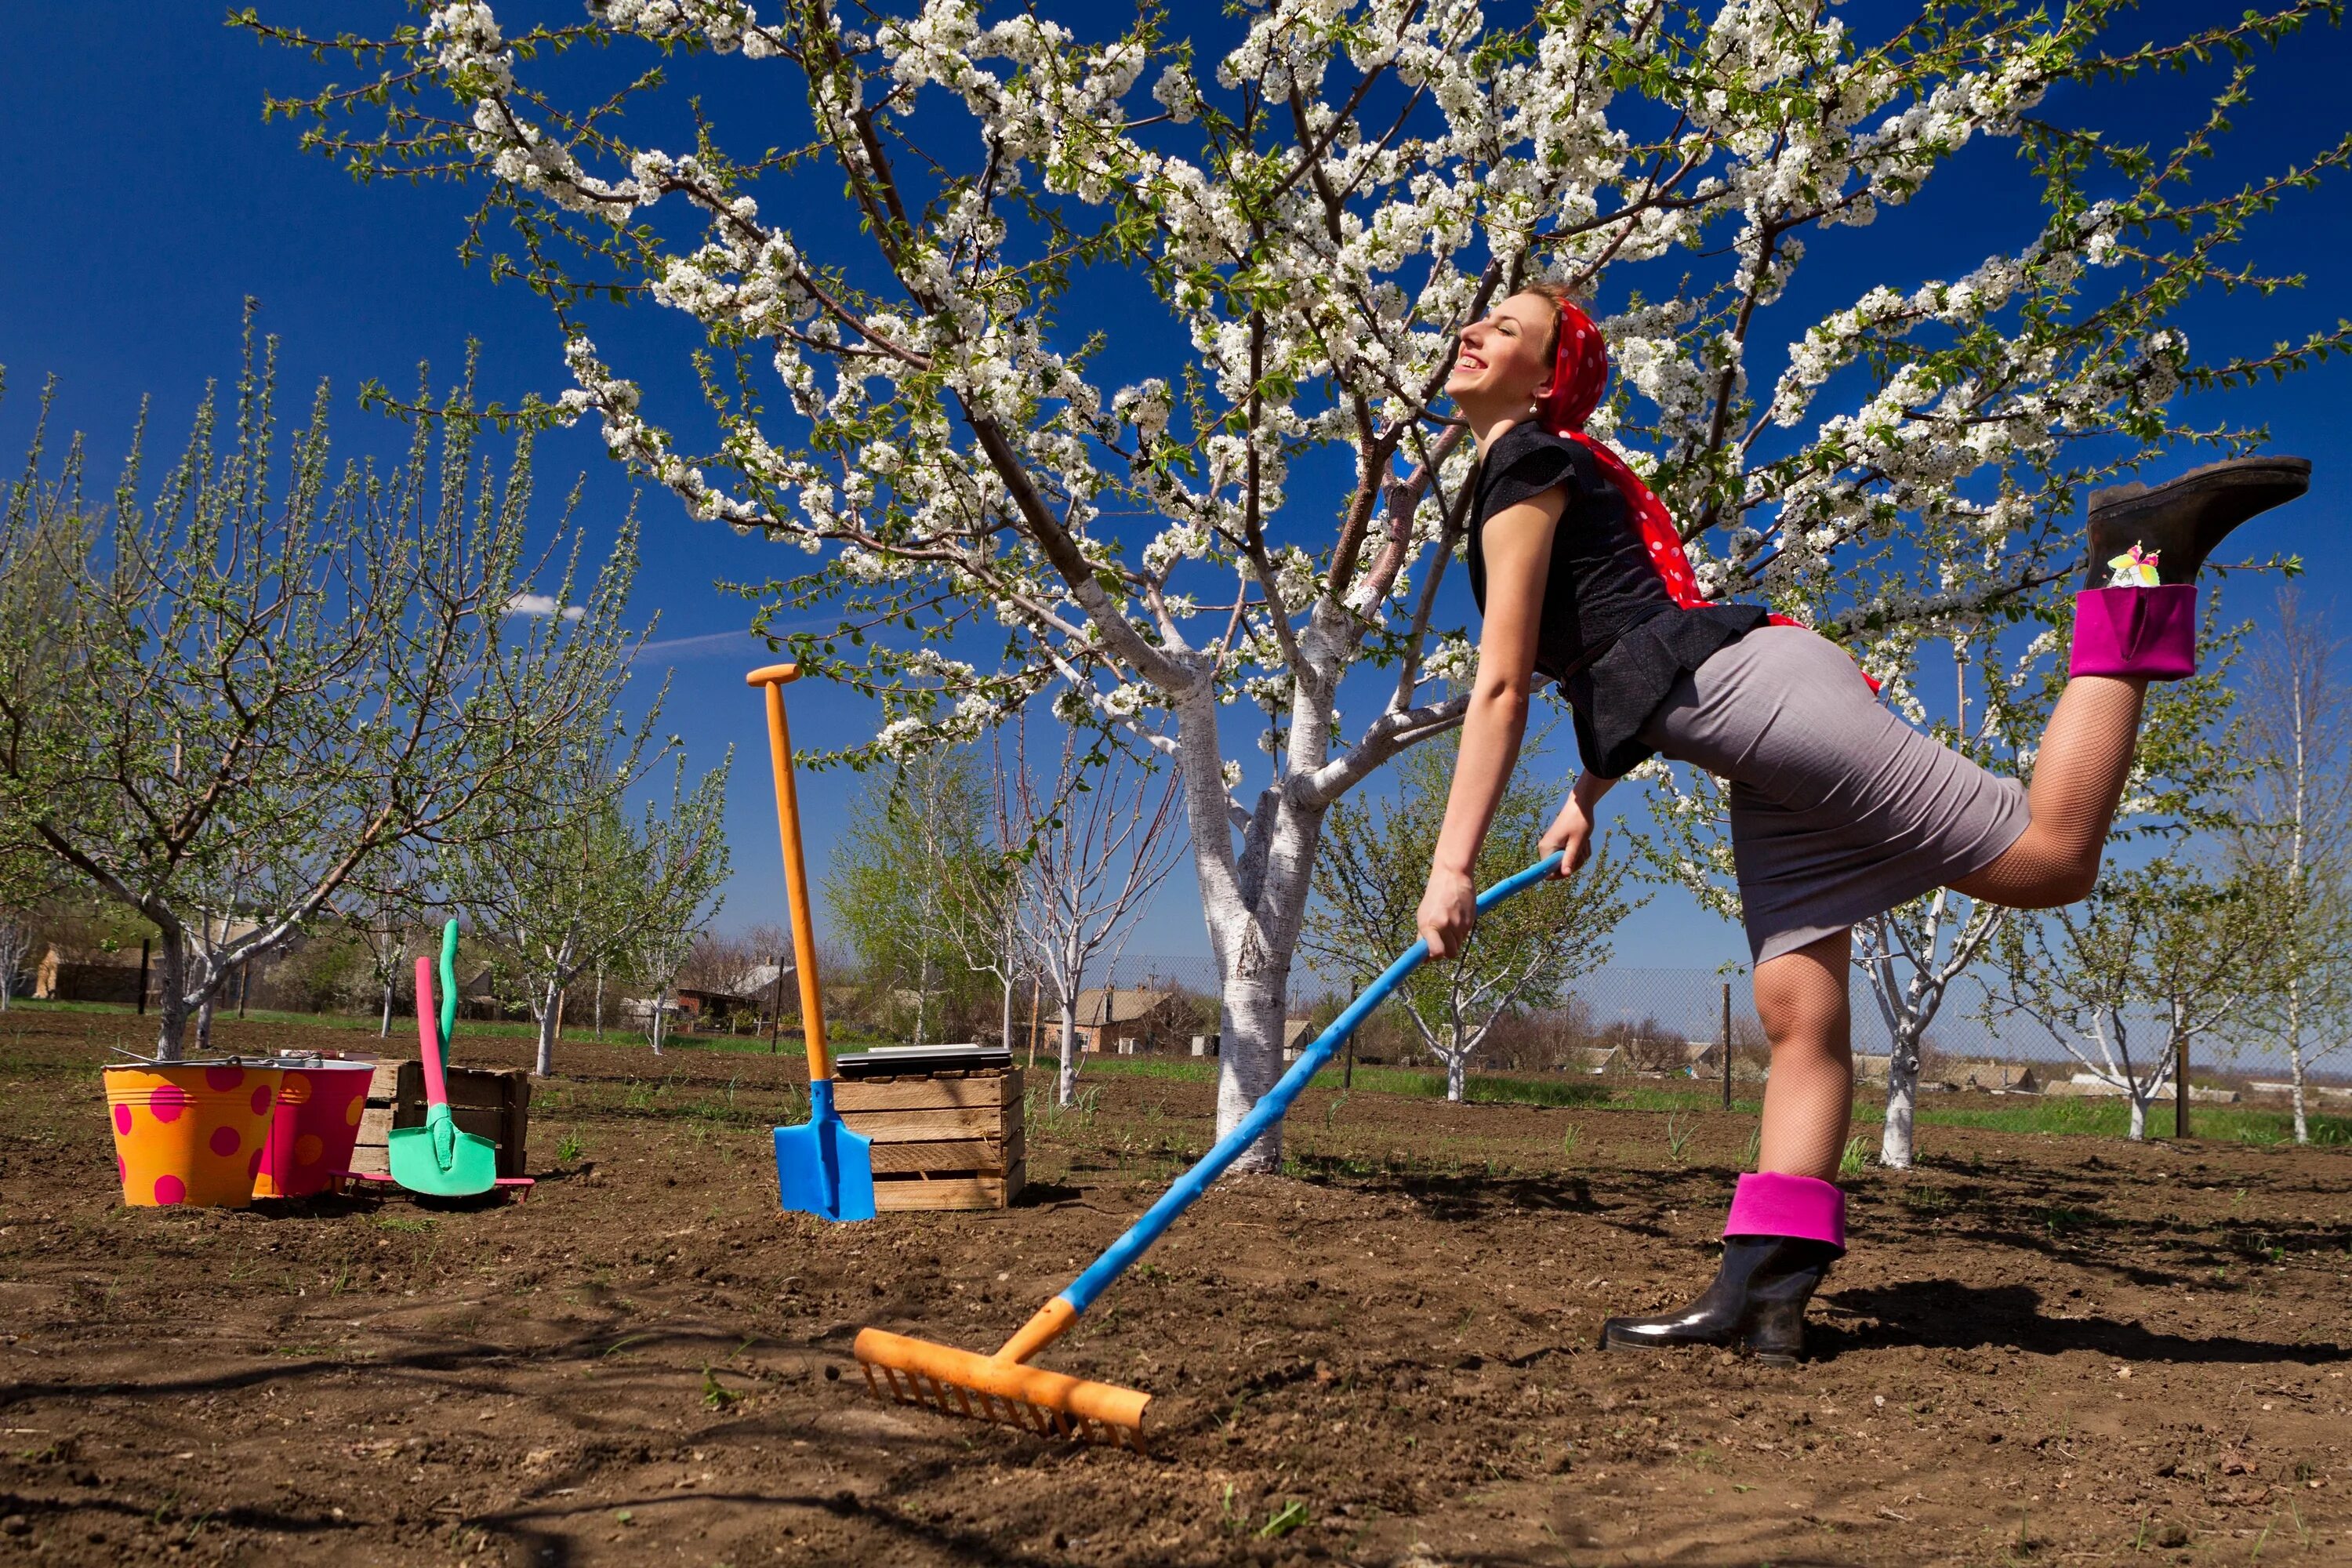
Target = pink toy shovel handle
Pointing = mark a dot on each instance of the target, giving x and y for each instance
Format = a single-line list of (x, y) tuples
[(429, 1036)]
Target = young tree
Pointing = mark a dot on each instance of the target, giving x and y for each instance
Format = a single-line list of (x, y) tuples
[(914, 877), (245, 693), (572, 880), (680, 860), (1523, 954), (2157, 958), (1093, 843), (1313, 216), (389, 910), (2293, 836)]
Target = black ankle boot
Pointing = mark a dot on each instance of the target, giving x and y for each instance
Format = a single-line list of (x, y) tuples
[(1756, 1304), (2181, 520)]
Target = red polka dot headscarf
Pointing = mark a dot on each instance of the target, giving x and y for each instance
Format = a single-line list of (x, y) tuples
[(1580, 372)]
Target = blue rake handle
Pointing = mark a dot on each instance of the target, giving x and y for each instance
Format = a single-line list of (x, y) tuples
[(1269, 1109)]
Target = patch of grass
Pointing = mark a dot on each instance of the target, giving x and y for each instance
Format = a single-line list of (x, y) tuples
[(568, 1148), (1856, 1156), (1680, 1130), (715, 1394), (1283, 1521), (417, 1224)]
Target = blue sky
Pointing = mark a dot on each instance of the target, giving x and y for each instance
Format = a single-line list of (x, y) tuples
[(147, 199)]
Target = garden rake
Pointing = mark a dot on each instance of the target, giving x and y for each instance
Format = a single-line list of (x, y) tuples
[(1003, 1387)]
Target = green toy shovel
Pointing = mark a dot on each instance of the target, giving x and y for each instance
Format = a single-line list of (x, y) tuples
[(438, 1158)]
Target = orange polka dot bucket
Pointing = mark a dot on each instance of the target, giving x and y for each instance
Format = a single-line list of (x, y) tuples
[(191, 1132), (315, 1127)]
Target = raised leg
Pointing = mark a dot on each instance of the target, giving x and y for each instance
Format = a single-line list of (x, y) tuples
[(2078, 779), (1809, 1099)]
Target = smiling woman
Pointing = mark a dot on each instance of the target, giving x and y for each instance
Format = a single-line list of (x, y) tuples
[(1839, 810)]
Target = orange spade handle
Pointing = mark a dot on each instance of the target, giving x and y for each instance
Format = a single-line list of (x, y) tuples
[(788, 828)]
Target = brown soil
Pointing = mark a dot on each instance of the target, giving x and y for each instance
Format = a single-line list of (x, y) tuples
[(2040, 1349)]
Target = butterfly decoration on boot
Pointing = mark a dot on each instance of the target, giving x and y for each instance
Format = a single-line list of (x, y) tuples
[(2135, 568)]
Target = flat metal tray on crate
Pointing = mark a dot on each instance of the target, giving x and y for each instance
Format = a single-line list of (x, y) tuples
[(894, 1061)]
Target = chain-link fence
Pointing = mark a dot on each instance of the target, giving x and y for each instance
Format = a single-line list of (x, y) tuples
[(1648, 1023)]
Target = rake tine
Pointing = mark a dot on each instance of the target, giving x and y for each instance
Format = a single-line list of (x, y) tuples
[(868, 1369), (964, 1399)]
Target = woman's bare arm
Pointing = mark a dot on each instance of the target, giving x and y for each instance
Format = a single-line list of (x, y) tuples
[(1517, 543)]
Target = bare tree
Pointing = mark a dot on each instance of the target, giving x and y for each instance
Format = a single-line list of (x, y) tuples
[(2157, 958), (1522, 955), (2293, 834), (1099, 837), (575, 881), (388, 911), (231, 702)]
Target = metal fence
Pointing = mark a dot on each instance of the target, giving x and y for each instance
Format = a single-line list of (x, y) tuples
[(1646, 1021)]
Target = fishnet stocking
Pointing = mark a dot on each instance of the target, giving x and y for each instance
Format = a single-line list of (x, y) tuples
[(1809, 1099), (2086, 753)]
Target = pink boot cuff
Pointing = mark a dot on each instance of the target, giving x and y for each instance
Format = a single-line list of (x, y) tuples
[(2147, 632), (1770, 1204)]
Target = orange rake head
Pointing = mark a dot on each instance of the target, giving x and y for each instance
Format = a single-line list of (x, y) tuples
[(1000, 1388)]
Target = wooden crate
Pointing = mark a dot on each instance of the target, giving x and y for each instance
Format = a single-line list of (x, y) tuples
[(373, 1156), (948, 1141), (489, 1102)]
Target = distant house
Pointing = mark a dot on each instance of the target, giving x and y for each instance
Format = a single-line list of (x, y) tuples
[(1703, 1058), (1990, 1076), (707, 1006), (1125, 1020)]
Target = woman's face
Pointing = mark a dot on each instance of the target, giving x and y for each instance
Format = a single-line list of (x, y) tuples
[(1504, 361)]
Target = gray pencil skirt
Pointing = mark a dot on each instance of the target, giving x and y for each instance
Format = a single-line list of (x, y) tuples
[(1840, 810)]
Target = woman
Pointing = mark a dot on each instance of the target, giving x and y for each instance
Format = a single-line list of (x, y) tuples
[(1839, 811)]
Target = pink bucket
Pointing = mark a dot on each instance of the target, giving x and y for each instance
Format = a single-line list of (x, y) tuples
[(316, 1125)]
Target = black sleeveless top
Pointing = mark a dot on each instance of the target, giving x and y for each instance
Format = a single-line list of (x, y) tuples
[(1610, 634)]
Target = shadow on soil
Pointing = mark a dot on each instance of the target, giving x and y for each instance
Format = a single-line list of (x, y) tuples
[(1943, 1314)]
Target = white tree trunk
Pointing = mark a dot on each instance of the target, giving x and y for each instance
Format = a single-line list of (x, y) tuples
[(383, 1029), (550, 1013), (2139, 1097), (1458, 1075), (1065, 1083), (1897, 1144), (2295, 1075), (1250, 1059), (172, 999)]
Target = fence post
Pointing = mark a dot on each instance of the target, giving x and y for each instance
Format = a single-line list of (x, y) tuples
[(1036, 1019), (776, 1007), (1727, 1045), (2180, 1091), (143, 976)]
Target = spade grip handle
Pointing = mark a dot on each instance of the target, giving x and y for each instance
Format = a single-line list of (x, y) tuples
[(428, 1037)]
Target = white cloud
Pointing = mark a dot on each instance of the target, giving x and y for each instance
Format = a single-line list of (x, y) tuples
[(540, 604)]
